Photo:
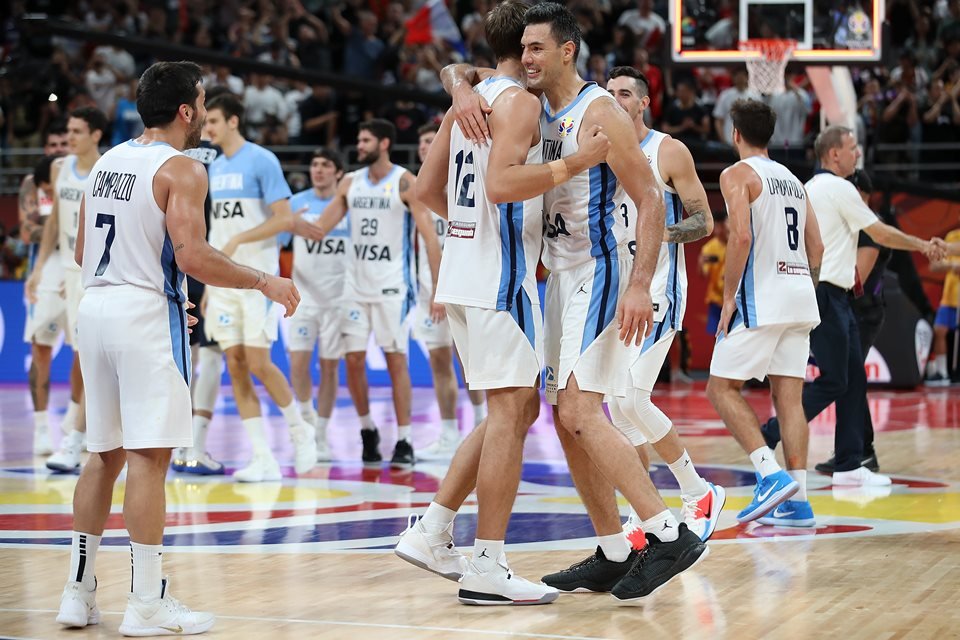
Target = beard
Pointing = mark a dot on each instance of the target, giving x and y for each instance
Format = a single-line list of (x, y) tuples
[(193, 136), (369, 158)]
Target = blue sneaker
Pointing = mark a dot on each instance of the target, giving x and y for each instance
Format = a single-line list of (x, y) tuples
[(790, 513), (770, 492), (178, 459), (203, 466)]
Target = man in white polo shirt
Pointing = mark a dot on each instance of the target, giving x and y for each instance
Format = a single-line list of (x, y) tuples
[(836, 342)]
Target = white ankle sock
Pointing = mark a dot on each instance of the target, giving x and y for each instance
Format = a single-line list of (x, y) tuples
[(366, 422), (437, 518), (691, 484), (800, 475), (200, 429), (147, 562), (41, 420), (764, 461), (70, 417), (258, 437), (450, 428), (403, 432), (486, 553), (291, 415), (615, 547), (940, 362), (322, 424), (83, 556), (663, 525)]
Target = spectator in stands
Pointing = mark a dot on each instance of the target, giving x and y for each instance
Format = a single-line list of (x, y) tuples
[(318, 117), (118, 60), (102, 82), (923, 42), (898, 117), (913, 77), (622, 50), (299, 92), (263, 105), (645, 24), (127, 123), (792, 107), (941, 123), (641, 60), (363, 54), (711, 262), (721, 112), (949, 59), (597, 69), (221, 77), (407, 117), (685, 119)]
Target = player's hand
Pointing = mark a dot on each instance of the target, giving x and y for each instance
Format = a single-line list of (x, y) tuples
[(191, 319), (726, 314), (935, 250), (594, 145), (438, 312), (306, 228), (282, 291), (31, 286), (230, 248), (470, 110), (635, 315)]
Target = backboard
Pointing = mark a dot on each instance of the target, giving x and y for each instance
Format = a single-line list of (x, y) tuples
[(826, 31)]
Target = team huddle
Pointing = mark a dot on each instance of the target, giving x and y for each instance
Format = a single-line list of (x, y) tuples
[(531, 164)]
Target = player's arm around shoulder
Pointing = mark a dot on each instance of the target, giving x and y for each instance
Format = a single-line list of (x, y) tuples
[(678, 169), (514, 128), (431, 182)]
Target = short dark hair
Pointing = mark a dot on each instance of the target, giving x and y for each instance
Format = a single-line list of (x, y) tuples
[(56, 128), (217, 90), (754, 120), (330, 154), (41, 173), (430, 127), (563, 24), (380, 129), (643, 84), (229, 104), (165, 86), (503, 27), (830, 138), (95, 119)]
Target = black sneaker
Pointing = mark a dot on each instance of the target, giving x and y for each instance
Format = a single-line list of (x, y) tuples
[(371, 444), (770, 430), (659, 562), (402, 455), (828, 467), (596, 573)]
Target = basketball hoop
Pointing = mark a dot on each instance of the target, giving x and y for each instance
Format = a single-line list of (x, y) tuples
[(767, 71)]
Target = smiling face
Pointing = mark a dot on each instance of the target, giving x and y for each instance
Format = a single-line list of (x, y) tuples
[(543, 57), (627, 93)]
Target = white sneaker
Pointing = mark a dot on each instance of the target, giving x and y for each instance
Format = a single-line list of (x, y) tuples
[(42, 444), (442, 449), (431, 551), (78, 606), (304, 438), (323, 448), (263, 468), (164, 617), (67, 459), (861, 476), (500, 587), (701, 513)]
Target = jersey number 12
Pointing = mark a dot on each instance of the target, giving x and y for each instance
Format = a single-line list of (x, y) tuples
[(464, 188)]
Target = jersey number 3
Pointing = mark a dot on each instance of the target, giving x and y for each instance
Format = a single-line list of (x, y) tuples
[(103, 220), (465, 186)]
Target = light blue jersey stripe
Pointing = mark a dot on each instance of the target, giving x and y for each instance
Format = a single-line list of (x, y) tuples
[(410, 297), (746, 302), (522, 312), (513, 264)]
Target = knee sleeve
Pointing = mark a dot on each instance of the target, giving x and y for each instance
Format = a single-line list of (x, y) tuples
[(206, 386), (624, 424), (647, 417)]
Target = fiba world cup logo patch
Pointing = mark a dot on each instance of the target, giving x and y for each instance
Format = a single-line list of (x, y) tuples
[(565, 127), (858, 30)]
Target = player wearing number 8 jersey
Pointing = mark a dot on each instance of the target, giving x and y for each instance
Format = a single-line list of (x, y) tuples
[(769, 309)]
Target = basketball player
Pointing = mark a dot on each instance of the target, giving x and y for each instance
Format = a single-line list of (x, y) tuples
[(145, 200), (769, 308), (636, 415), (85, 128), (251, 205), (318, 272), (47, 318), (438, 339), (379, 293)]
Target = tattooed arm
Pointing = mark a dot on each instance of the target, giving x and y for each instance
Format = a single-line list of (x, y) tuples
[(678, 170)]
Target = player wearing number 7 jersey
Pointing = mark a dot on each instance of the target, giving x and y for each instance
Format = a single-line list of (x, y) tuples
[(141, 227), (769, 308)]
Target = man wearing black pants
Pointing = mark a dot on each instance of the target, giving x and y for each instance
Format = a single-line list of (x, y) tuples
[(836, 343)]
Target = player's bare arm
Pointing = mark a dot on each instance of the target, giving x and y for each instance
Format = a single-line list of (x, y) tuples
[(470, 108), (891, 237), (677, 167), (626, 160), (431, 185), (813, 243), (28, 211), (336, 209), (515, 127), (48, 241), (180, 188), (739, 185), (428, 233), (282, 220)]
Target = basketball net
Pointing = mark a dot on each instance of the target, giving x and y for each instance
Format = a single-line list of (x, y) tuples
[(767, 71)]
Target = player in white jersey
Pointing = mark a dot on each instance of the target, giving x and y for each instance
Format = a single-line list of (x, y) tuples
[(141, 227), (251, 206), (769, 308), (378, 291), (437, 338), (85, 128), (318, 271)]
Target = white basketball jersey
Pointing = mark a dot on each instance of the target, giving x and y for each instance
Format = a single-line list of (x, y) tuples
[(70, 185), (242, 188), (381, 232), (776, 287), (668, 289), (583, 215), (424, 275), (125, 237), (491, 251), (319, 265)]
